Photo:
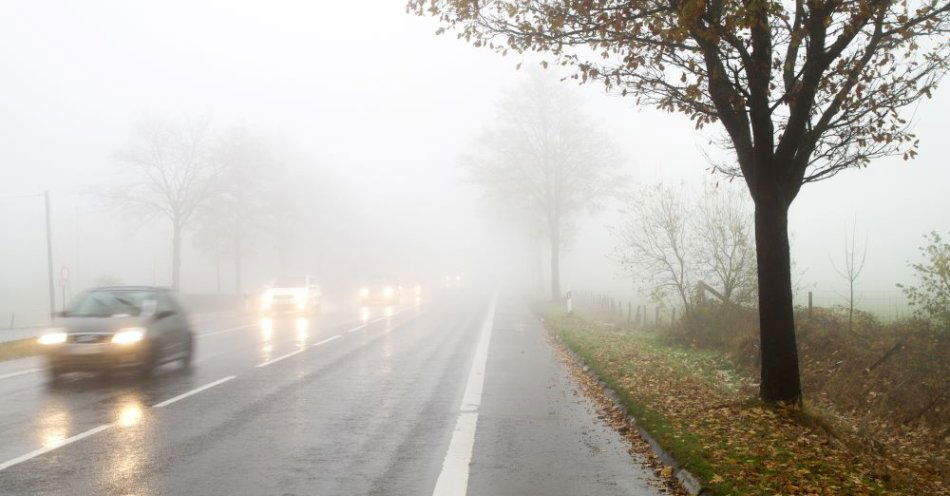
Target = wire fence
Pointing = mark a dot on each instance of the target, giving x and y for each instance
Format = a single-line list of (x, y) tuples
[(886, 306)]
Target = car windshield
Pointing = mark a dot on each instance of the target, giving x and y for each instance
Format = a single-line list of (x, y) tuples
[(110, 303), (290, 282)]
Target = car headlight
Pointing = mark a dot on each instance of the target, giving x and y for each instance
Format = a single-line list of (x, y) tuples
[(364, 292), (388, 291), (129, 335), (54, 336)]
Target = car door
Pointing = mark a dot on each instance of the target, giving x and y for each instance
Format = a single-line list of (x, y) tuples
[(178, 327)]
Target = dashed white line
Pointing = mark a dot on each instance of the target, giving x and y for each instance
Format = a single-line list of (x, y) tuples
[(21, 372), (222, 331), (363, 326), (182, 396), (288, 355), (453, 480), (327, 340), (35, 453)]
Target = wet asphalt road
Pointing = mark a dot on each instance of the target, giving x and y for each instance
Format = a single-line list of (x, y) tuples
[(458, 395)]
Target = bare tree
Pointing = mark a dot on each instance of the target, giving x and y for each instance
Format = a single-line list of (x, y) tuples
[(851, 268), (545, 162), (166, 170), (802, 90), (726, 244), (656, 244), (244, 197)]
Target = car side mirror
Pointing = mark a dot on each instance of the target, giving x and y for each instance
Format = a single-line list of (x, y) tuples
[(164, 314)]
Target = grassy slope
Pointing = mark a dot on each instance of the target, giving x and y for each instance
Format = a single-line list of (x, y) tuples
[(19, 348), (700, 410)]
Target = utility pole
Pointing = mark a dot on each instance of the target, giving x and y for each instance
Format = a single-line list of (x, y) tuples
[(49, 259)]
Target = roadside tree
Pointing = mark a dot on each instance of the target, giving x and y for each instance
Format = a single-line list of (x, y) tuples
[(545, 162), (803, 89), (166, 170)]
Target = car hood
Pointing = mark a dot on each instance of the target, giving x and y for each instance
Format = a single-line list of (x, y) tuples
[(99, 324)]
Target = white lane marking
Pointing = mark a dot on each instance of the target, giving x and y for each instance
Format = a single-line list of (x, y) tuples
[(288, 355), (453, 480), (22, 372), (327, 340), (384, 317), (230, 329), (182, 396), (35, 453)]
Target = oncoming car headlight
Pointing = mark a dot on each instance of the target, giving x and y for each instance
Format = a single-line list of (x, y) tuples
[(54, 336), (364, 292), (129, 335)]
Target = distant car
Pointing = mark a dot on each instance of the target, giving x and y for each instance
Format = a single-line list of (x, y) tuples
[(291, 294), (381, 293), (452, 281), (121, 327)]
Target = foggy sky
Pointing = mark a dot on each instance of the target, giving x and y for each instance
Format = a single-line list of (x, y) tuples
[(383, 108)]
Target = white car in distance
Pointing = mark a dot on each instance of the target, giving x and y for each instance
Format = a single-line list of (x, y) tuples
[(291, 294)]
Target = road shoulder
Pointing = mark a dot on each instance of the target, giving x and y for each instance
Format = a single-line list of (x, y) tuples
[(537, 434)]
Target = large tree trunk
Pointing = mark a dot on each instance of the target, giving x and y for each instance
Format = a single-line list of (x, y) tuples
[(555, 262), (176, 256), (780, 380)]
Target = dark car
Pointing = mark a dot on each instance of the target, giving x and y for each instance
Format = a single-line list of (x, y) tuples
[(124, 327)]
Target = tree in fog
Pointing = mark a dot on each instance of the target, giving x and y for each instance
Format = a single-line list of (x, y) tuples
[(725, 248), (243, 200), (930, 296), (656, 244), (850, 269), (545, 162), (670, 239), (801, 89), (166, 170)]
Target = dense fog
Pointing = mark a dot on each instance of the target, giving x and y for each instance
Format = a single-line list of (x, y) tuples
[(363, 121)]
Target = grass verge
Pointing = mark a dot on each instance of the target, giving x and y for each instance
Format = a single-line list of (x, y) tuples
[(699, 408)]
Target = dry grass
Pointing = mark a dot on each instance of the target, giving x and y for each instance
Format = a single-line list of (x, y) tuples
[(11, 350), (701, 407)]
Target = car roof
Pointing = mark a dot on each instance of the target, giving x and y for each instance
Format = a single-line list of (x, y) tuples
[(129, 288)]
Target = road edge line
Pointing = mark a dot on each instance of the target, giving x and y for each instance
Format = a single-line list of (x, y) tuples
[(453, 478)]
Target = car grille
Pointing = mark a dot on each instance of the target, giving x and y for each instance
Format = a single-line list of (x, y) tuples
[(89, 338)]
